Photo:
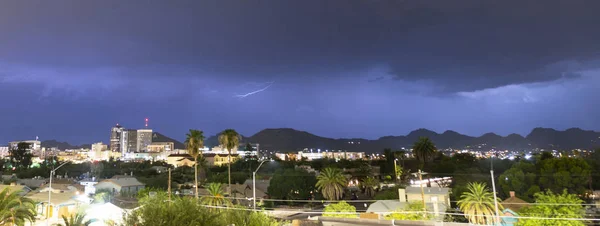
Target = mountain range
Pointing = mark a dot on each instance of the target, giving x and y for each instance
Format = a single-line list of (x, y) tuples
[(286, 139)]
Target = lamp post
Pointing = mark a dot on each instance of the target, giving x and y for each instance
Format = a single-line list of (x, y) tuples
[(254, 185), (52, 172), (396, 170)]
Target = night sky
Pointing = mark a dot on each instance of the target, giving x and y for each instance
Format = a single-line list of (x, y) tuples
[(69, 70)]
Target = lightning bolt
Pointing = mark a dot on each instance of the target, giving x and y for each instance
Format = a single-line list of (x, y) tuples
[(254, 92)]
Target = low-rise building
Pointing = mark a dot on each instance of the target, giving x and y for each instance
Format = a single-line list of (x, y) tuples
[(220, 159), (178, 160), (14, 187), (413, 194), (120, 185)]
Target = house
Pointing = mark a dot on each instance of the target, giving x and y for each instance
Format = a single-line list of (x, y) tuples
[(178, 160), (63, 185), (62, 203), (384, 207), (512, 205), (120, 185), (220, 159), (14, 187), (33, 183), (413, 194)]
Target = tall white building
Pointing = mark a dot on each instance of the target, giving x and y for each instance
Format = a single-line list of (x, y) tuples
[(144, 138), (35, 146)]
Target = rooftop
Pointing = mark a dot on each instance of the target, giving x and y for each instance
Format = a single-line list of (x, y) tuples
[(428, 191), (513, 203), (123, 181)]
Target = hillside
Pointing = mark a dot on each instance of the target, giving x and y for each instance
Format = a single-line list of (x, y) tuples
[(286, 139)]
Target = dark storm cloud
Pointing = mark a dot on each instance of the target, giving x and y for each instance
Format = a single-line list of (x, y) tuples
[(458, 45)]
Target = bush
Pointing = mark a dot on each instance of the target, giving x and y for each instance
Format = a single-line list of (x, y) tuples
[(411, 212), (340, 210)]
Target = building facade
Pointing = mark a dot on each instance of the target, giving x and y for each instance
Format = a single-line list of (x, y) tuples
[(131, 143), (116, 135), (144, 138)]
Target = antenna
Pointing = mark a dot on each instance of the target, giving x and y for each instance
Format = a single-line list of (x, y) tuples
[(146, 122)]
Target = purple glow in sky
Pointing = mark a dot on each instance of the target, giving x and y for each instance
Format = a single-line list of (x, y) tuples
[(69, 70)]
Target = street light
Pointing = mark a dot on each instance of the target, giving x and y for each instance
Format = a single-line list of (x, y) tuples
[(52, 172), (396, 169), (254, 184)]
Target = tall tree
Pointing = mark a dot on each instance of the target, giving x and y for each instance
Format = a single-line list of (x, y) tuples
[(194, 141), (229, 139), (572, 174), (291, 184), (521, 179), (15, 210), (478, 204), (20, 157), (370, 183), (216, 197), (550, 206), (332, 182), (424, 149)]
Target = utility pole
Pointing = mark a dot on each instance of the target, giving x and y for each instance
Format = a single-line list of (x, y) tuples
[(422, 192), (494, 190), (52, 172), (169, 189)]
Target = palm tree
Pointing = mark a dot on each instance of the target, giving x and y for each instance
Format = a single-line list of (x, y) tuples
[(194, 142), (75, 220), (423, 150), (478, 204), (216, 197), (369, 184), (229, 139), (14, 209), (331, 182)]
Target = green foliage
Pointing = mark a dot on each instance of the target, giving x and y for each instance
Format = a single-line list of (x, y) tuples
[(249, 218), (572, 174), (186, 211), (103, 195), (340, 210), (424, 150), (215, 196), (549, 206), (387, 194), (229, 139), (331, 182), (145, 193), (291, 184), (369, 184), (478, 204), (413, 211), (14, 209), (75, 220), (521, 179), (194, 141), (181, 211), (20, 157)]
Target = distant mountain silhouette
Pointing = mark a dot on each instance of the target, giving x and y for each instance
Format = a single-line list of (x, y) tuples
[(286, 139), (63, 145)]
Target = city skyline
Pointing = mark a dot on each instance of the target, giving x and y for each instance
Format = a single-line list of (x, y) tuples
[(70, 70)]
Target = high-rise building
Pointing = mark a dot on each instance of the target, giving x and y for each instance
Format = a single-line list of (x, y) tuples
[(131, 144), (116, 134), (144, 138)]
